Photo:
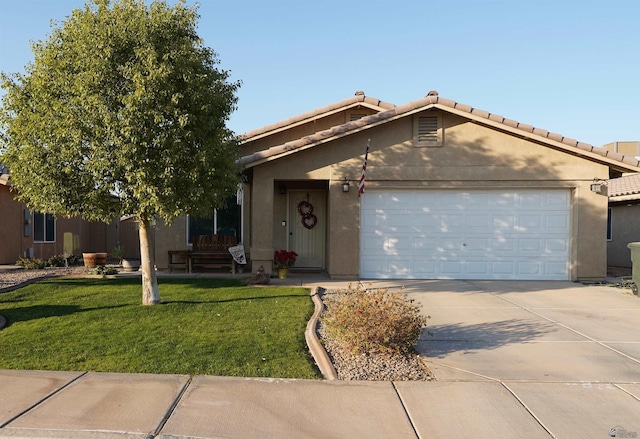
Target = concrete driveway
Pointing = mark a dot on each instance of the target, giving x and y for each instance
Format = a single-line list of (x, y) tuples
[(566, 353), (512, 359)]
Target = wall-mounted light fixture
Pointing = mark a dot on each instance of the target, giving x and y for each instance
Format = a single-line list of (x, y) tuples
[(597, 185), (345, 185)]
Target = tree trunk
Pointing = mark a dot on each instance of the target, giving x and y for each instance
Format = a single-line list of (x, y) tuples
[(150, 293)]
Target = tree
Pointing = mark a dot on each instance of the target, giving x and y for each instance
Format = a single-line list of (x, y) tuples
[(122, 111)]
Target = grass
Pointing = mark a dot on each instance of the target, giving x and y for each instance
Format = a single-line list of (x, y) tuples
[(203, 326)]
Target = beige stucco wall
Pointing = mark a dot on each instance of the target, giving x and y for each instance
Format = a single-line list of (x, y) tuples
[(167, 238), (472, 156), (625, 228)]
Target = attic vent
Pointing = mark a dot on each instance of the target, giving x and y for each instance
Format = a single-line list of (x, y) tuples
[(356, 116), (427, 131)]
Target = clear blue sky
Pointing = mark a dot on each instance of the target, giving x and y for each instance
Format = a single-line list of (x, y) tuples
[(568, 66)]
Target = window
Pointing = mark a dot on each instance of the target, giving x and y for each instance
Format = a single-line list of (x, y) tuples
[(44, 227), (609, 224), (427, 131), (224, 221)]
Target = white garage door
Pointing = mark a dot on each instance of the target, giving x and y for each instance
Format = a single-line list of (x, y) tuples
[(465, 234)]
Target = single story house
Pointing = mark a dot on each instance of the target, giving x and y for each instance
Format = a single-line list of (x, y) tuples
[(624, 220), (451, 192), (29, 234)]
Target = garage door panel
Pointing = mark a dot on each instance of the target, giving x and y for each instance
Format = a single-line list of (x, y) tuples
[(474, 234)]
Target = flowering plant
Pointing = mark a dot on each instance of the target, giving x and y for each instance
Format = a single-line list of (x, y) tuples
[(284, 258)]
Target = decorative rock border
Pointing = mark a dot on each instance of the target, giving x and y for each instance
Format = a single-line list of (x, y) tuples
[(311, 335)]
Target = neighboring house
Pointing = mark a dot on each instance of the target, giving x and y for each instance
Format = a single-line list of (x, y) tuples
[(624, 216), (25, 233), (452, 192), (625, 148)]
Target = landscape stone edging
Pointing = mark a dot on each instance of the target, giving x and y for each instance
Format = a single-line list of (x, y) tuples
[(311, 335), (26, 282)]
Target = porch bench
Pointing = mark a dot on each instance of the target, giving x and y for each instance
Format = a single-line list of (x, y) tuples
[(212, 251), (178, 259)]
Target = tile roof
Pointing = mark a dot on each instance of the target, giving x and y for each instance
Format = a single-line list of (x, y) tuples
[(627, 187), (432, 100), (358, 99)]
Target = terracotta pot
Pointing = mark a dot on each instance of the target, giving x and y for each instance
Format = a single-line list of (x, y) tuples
[(282, 273), (92, 260)]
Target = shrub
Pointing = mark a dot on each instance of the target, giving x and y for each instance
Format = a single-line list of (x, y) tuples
[(101, 269), (375, 320), (75, 260), (31, 264), (56, 261)]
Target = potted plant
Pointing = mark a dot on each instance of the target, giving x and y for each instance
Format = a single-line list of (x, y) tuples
[(283, 260)]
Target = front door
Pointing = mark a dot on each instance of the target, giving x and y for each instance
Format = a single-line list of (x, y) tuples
[(307, 227)]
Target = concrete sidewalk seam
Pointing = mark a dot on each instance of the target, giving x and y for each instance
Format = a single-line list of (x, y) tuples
[(46, 397), (463, 370), (404, 408), (626, 391), (528, 410), (524, 308), (171, 409)]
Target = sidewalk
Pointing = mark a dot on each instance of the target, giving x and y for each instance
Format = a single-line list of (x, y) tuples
[(512, 359)]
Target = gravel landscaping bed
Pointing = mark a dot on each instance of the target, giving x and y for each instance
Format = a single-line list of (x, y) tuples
[(374, 367), (11, 279)]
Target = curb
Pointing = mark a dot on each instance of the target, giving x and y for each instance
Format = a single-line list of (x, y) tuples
[(315, 347)]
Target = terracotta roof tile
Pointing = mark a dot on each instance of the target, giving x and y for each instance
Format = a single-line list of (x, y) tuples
[(480, 113), (511, 123), (627, 185), (359, 97), (496, 118), (431, 99), (463, 107), (525, 127), (540, 132)]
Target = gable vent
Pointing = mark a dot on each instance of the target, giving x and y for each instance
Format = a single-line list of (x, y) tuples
[(356, 116), (427, 129)]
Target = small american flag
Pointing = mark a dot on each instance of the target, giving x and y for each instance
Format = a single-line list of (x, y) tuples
[(364, 170)]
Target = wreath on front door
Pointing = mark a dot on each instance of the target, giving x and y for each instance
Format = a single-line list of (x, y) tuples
[(308, 219)]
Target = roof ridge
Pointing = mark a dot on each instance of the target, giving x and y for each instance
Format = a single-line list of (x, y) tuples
[(420, 104), (358, 97)]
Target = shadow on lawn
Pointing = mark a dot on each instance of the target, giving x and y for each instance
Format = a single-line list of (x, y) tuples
[(447, 339), (36, 312), (235, 299)]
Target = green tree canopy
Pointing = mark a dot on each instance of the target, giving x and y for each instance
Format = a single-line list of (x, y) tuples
[(122, 111)]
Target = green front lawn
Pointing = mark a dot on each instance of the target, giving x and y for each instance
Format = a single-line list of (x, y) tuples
[(203, 326)]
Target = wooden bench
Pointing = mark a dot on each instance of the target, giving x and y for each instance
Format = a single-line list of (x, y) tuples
[(212, 251), (178, 259)]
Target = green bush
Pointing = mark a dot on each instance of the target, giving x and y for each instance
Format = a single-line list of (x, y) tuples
[(31, 264), (75, 260), (101, 269), (376, 320), (56, 261)]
